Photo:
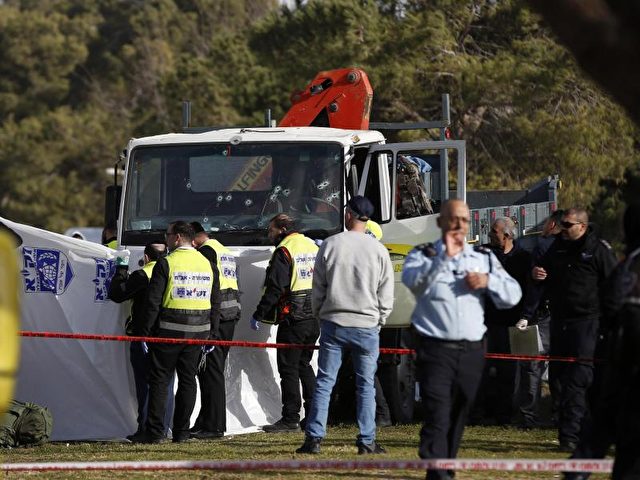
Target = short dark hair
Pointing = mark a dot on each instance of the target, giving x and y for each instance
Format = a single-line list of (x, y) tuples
[(282, 220), (151, 250), (184, 229), (557, 216), (197, 227)]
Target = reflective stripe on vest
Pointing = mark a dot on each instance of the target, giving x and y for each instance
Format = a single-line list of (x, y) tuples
[(180, 327), (190, 281), (302, 251), (226, 265)]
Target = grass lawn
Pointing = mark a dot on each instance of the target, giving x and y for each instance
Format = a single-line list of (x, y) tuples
[(401, 443)]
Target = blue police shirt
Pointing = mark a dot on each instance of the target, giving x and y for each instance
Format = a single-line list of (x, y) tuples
[(446, 308)]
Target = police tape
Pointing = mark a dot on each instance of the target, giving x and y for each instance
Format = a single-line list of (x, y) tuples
[(517, 465), (294, 346)]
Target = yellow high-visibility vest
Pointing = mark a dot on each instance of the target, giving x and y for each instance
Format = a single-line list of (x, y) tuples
[(226, 263), (190, 281), (302, 251), (9, 319), (148, 269)]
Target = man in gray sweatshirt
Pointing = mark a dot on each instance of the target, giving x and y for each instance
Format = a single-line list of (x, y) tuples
[(352, 295)]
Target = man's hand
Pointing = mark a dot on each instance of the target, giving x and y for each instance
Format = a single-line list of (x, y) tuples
[(522, 323), (476, 280), (207, 349), (454, 242), (538, 273), (254, 324)]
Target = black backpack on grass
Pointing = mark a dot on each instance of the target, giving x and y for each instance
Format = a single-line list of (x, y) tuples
[(25, 424)]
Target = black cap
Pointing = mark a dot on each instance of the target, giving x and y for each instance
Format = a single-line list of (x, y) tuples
[(197, 227), (362, 207)]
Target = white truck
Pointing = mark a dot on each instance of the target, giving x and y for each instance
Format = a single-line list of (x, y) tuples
[(233, 180)]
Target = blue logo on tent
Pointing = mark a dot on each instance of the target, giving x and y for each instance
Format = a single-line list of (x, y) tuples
[(45, 270), (104, 273)]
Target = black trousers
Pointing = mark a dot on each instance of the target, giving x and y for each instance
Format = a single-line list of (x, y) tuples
[(575, 338), (165, 359), (496, 392), (531, 379), (213, 397), (294, 367), (140, 366), (449, 374)]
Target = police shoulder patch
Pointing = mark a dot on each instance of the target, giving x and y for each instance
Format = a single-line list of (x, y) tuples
[(427, 249)]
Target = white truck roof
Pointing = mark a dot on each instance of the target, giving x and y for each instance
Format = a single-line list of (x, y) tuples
[(264, 134)]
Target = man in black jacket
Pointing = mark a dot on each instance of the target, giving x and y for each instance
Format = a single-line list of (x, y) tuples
[(574, 270), (535, 311), (495, 398), (134, 287), (183, 302), (212, 418), (286, 301)]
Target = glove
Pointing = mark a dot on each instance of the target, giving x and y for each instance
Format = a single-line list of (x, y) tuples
[(206, 349), (522, 323), (255, 324), (122, 262)]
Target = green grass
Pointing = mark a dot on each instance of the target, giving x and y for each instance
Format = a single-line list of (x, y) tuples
[(401, 443)]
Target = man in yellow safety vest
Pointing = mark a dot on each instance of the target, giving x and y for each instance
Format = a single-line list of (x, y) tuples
[(286, 302), (183, 301), (212, 419)]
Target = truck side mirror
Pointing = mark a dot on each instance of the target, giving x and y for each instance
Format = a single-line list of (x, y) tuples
[(112, 204)]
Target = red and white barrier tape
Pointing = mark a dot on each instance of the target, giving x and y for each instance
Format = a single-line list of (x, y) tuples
[(520, 465), (236, 343)]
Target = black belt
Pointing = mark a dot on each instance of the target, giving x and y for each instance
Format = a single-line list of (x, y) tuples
[(454, 344)]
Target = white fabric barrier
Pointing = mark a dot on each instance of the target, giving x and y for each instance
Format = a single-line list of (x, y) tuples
[(88, 385)]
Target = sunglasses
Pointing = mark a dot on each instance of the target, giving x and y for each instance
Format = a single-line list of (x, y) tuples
[(568, 225)]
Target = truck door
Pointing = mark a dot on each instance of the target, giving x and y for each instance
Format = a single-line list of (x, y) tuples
[(407, 183)]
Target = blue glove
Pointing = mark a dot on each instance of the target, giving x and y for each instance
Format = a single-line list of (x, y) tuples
[(255, 324)]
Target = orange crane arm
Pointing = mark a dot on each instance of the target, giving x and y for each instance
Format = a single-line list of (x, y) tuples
[(335, 98)]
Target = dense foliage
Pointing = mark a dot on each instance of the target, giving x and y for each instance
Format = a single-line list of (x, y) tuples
[(78, 79)]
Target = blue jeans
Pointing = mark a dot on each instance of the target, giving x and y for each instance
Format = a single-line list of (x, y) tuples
[(363, 343)]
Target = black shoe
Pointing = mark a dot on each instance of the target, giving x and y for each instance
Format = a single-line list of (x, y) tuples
[(567, 446), (310, 445), (205, 435), (135, 437), (281, 426), (182, 438), (372, 448), (144, 438)]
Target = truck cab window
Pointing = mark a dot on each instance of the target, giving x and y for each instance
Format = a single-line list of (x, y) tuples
[(413, 187)]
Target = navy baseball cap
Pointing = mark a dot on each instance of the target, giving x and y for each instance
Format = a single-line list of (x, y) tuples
[(361, 207)]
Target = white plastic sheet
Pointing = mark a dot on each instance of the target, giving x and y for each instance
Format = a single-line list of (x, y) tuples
[(87, 384)]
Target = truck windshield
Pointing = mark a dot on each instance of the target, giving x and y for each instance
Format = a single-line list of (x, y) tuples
[(233, 190)]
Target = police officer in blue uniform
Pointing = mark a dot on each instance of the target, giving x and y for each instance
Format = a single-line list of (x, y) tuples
[(450, 281)]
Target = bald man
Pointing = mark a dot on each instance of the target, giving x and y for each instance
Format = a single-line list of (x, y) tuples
[(451, 281)]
